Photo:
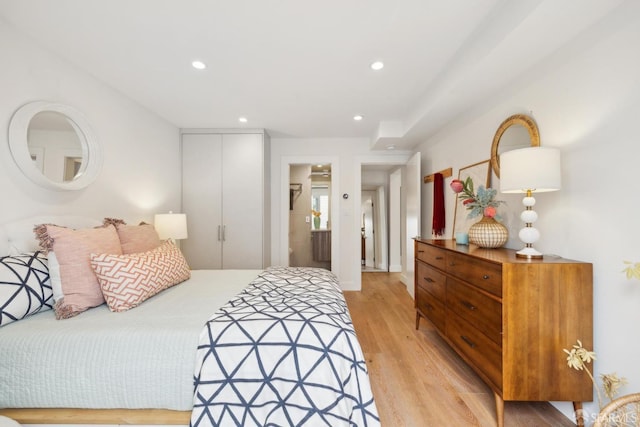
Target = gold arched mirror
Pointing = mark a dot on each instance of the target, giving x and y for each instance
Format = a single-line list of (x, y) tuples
[(517, 131)]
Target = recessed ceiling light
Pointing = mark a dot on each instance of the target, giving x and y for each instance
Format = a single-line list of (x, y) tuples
[(243, 120), (199, 65), (358, 117), (377, 66), (391, 147)]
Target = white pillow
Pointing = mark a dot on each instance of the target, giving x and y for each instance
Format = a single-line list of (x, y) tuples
[(54, 276), (24, 286)]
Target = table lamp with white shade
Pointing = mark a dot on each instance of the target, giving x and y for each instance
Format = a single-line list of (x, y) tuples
[(529, 170), (172, 226)]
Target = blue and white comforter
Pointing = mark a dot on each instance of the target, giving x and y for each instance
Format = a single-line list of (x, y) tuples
[(283, 352)]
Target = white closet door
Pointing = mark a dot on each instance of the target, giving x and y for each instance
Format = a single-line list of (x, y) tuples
[(201, 199), (242, 200)]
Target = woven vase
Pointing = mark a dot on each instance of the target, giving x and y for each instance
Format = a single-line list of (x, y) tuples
[(488, 233)]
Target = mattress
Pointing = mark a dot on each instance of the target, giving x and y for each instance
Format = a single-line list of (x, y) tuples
[(141, 358)]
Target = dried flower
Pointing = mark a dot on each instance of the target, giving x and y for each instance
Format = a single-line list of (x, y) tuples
[(577, 359), (315, 213), (478, 204), (611, 383), (632, 270)]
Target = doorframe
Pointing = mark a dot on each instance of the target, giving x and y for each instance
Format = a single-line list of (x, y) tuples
[(286, 163), (396, 159)]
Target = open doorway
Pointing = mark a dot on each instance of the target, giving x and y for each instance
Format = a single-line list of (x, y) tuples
[(374, 231), (400, 186), (283, 252), (310, 215), (375, 210)]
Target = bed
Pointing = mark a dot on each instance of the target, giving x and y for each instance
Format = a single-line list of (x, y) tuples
[(139, 366)]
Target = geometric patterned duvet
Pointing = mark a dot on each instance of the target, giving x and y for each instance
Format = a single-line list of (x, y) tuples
[(283, 352)]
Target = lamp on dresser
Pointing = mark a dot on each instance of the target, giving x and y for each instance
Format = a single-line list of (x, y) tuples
[(529, 170), (171, 226)]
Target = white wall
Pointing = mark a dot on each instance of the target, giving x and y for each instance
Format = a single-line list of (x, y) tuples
[(141, 169), (585, 99)]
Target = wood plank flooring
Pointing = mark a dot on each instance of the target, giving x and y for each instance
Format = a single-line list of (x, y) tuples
[(417, 380)]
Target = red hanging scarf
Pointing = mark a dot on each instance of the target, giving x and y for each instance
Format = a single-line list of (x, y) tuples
[(438, 205)]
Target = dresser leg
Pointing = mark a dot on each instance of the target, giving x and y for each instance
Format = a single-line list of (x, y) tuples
[(417, 320), (499, 409), (577, 408)]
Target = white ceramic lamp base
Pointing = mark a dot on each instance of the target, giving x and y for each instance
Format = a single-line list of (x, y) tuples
[(529, 235)]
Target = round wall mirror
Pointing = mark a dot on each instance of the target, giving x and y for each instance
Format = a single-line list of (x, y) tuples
[(517, 131), (53, 145)]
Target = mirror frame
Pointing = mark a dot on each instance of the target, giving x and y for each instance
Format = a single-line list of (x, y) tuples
[(18, 144), (516, 119)]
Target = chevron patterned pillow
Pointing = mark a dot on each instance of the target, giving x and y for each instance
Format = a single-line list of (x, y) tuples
[(25, 287), (128, 280)]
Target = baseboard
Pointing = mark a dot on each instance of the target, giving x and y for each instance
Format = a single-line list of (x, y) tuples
[(349, 286), (395, 268)]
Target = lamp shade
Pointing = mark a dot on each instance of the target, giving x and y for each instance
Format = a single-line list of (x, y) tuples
[(534, 168), (171, 226)]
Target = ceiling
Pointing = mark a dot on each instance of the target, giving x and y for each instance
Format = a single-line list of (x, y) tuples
[(300, 68)]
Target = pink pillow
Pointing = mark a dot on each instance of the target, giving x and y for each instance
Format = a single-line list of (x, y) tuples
[(128, 280), (135, 238), (72, 248)]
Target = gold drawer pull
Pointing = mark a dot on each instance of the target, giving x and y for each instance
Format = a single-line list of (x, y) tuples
[(485, 277), (439, 258), (420, 252), (468, 341), (428, 306), (451, 264), (468, 305), (429, 279)]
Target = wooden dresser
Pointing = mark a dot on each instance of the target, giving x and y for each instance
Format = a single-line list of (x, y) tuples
[(509, 318)]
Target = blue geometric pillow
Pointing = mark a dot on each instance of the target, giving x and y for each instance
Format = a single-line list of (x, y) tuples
[(24, 286)]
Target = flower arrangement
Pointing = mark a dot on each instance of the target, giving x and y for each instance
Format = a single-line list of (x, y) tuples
[(578, 357), (482, 203), (316, 218)]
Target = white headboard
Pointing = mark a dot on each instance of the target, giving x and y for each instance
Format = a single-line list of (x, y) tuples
[(18, 236)]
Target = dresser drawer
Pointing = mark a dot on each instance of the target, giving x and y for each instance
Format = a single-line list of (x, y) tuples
[(431, 308), (431, 255), (482, 311), (484, 354), (431, 280), (482, 274)]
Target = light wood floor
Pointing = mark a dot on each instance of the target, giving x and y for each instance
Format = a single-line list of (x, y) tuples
[(417, 380)]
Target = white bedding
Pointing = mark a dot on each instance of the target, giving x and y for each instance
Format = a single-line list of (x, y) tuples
[(141, 358), (283, 352)]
